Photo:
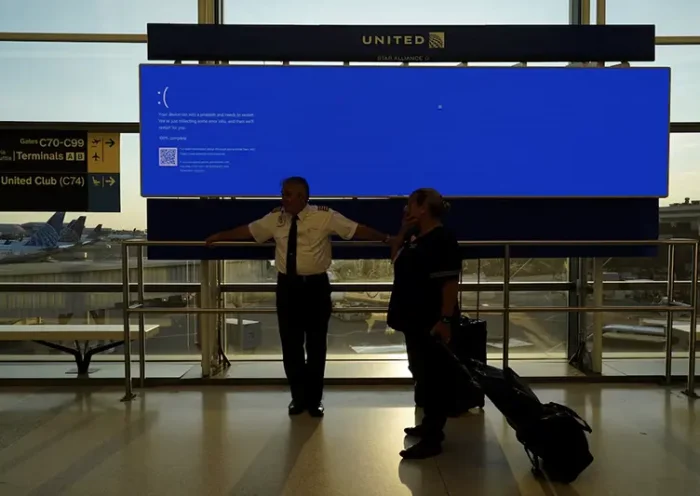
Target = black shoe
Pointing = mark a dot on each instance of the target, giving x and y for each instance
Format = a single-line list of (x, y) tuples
[(419, 431), (316, 410), (295, 408), (416, 431), (424, 449)]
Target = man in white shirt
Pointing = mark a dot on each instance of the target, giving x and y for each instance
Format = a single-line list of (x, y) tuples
[(302, 257)]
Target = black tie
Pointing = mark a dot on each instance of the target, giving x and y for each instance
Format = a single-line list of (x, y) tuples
[(292, 248)]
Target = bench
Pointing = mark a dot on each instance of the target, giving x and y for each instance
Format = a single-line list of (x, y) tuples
[(642, 333), (680, 329), (51, 335)]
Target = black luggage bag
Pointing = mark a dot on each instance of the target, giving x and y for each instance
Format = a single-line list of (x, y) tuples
[(553, 435), (468, 343)]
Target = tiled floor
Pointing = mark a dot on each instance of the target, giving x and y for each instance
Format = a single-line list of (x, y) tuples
[(226, 441)]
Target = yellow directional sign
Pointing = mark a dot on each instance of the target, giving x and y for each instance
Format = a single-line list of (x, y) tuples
[(103, 153), (103, 181)]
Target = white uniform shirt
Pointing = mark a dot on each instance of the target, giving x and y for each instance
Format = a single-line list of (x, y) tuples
[(314, 228)]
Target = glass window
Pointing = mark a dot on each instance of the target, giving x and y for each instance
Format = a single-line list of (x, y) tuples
[(76, 264), (532, 335), (685, 167), (355, 333), (176, 337), (396, 12), (671, 17), (521, 270), (684, 62), (361, 334), (90, 16), (250, 271), (70, 82)]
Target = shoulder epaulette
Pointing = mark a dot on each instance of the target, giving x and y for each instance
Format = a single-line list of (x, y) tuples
[(322, 208), (276, 210)]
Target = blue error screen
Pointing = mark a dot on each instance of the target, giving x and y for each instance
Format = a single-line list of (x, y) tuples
[(385, 131)]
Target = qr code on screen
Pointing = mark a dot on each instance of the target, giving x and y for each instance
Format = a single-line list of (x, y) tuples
[(167, 157)]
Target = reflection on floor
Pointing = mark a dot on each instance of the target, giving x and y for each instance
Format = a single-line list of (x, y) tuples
[(216, 441)]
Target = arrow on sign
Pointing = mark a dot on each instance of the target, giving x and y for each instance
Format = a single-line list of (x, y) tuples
[(110, 142), (111, 181)]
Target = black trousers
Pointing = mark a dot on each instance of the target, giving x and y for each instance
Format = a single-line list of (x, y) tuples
[(303, 310), (418, 387), (430, 370)]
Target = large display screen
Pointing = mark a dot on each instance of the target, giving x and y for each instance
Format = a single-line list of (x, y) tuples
[(384, 131)]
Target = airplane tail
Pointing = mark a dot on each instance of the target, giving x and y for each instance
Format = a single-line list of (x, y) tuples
[(73, 231), (48, 235), (56, 221), (96, 233), (66, 232)]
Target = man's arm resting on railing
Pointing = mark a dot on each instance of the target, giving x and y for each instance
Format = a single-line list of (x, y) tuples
[(349, 229), (240, 233), (260, 230), (368, 234)]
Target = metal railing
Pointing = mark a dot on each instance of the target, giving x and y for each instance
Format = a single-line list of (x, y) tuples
[(139, 308), (349, 287)]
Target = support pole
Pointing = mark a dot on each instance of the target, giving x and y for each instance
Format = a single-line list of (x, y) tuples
[(690, 389), (142, 317), (219, 11), (206, 322), (128, 386), (600, 12), (206, 11), (579, 12), (597, 349), (670, 282), (209, 12), (506, 304)]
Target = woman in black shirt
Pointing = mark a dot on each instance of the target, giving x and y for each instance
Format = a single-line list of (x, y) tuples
[(424, 307)]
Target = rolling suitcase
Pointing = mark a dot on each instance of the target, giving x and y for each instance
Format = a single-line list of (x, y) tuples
[(468, 343), (553, 435)]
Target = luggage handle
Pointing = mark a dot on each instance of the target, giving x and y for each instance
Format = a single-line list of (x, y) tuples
[(458, 363), (478, 289), (534, 459)]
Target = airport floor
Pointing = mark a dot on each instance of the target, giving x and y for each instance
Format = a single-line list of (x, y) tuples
[(239, 441)]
